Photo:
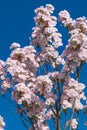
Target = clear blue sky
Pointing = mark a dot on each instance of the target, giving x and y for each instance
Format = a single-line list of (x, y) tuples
[(16, 22)]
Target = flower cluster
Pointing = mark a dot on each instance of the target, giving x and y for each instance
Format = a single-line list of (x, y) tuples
[(43, 85), (76, 50), (20, 66), (33, 106), (45, 30), (46, 36), (79, 23), (65, 18), (73, 93)]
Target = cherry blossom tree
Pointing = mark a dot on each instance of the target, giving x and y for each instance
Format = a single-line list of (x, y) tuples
[(43, 83)]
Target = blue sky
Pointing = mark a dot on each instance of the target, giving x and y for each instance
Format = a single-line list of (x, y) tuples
[(16, 22)]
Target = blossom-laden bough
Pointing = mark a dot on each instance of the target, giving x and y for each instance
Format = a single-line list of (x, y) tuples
[(40, 79)]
